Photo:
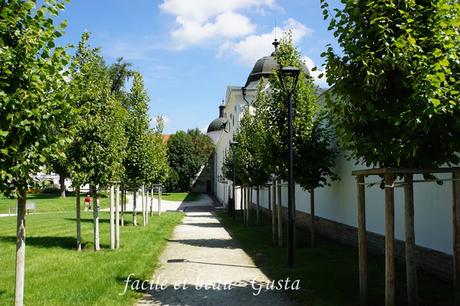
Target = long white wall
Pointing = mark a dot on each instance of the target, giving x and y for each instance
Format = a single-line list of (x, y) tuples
[(338, 202)]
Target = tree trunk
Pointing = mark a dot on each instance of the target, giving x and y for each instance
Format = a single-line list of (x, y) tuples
[(20, 248), (279, 208), (242, 203), (144, 211), (151, 202), (77, 200), (389, 240), (123, 205), (97, 246), (134, 208), (62, 185), (274, 209), (312, 215), (112, 221), (362, 242), (456, 234), (411, 263), (117, 218), (159, 200), (249, 204), (258, 206)]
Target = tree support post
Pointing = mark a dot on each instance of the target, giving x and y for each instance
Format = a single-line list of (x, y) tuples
[(258, 206), (144, 221), (159, 200), (112, 221), (456, 242), (273, 212), (312, 215), (78, 207), (151, 202), (117, 218), (411, 262), (134, 208), (97, 246), (389, 240), (362, 241), (279, 210), (20, 248)]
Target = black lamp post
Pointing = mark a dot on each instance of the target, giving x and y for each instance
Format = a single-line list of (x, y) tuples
[(288, 78), (233, 144)]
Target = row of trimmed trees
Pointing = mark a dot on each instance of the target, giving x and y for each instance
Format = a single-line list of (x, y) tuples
[(259, 149), (394, 99), (70, 114)]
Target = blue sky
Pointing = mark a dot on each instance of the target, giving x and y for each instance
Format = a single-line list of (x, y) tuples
[(189, 50)]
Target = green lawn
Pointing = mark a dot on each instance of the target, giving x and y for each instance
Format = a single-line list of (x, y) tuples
[(329, 272), (56, 274), (180, 196), (48, 203)]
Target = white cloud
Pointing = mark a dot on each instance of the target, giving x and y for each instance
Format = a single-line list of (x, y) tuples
[(191, 32), (253, 47), (321, 82), (201, 20)]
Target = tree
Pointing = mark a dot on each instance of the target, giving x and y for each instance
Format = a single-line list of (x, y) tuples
[(395, 99), (187, 153), (33, 106), (137, 126), (99, 147), (396, 82), (249, 150)]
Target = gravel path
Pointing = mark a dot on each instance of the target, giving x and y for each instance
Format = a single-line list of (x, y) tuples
[(202, 253)]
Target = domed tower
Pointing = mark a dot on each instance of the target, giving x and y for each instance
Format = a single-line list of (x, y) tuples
[(217, 125), (264, 68)]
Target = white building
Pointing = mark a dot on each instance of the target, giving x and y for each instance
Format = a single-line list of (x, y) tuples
[(336, 206)]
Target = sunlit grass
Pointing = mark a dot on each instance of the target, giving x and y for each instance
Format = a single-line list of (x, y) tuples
[(56, 274)]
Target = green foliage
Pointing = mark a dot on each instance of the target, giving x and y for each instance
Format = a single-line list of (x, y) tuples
[(248, 152), (146, 160), (187, 153), (314, 152), (99, 146), (396, 81), (33, 104)]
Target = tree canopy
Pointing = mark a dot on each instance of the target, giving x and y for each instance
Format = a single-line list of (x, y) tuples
[(395, 98), (187, 153), (33, 104)]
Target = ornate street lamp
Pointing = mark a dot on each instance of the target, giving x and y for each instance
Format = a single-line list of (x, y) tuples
[(288, 78)]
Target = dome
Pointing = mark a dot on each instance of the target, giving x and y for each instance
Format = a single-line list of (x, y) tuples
[(217, 124), (265, 65), (263, 68)]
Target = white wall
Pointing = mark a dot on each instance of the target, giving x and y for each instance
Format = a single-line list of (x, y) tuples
[(338, 202), (433, 206)]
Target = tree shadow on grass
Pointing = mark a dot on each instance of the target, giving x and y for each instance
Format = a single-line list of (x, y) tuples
[(68, 243), (45, 241), (90, 220)]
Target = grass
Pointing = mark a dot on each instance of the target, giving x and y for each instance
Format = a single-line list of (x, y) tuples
[(180, 196), (328, 273), (56, 274), (48, 203)]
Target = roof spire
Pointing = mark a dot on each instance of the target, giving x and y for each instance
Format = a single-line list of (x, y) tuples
[(276, 43)]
